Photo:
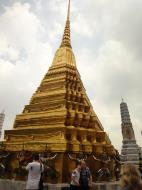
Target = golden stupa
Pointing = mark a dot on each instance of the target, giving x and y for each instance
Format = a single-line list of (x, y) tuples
[(60, 119)]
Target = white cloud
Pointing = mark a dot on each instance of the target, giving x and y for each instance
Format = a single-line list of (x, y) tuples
[(20, 26), (24, 58), (83, 28)]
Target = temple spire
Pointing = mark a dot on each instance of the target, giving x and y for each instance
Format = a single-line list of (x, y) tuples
[(68, 14), (66, 42), (125, 116)]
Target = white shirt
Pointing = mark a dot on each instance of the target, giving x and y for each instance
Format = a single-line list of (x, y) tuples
[(76, 176), (35, 169)]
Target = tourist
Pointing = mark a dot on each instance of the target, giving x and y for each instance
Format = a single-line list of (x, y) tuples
[(75, 185), (35, 170), (85, 177), (130, 178)]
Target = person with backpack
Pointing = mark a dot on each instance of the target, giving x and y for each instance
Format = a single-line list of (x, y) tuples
[(75, 176), (85, 177), (35, 170)]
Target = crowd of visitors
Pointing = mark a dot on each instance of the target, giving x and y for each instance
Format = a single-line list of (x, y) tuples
[(81, 178)]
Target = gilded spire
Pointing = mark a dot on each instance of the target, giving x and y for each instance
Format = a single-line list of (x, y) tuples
[(68, 14), (66, 42)]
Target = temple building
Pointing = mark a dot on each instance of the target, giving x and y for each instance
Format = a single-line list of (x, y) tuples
[(2, 116), (130, 149), (59, 122)]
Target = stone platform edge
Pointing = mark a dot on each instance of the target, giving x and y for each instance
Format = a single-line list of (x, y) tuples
[(6, 184)]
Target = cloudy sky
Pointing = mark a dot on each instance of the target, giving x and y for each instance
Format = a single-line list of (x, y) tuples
[(107, 42)]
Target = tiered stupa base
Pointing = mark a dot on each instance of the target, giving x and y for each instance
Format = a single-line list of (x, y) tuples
[(60, 151), (130, 152)]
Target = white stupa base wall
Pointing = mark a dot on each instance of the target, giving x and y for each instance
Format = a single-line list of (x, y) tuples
[(130, 152)]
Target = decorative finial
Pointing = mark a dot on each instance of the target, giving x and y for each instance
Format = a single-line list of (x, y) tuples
[(66, 42), (122, 100), (68, 15)]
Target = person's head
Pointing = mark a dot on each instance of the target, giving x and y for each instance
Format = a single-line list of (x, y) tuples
[(83, 164), (78, 166), (130, 175), (36, 157)]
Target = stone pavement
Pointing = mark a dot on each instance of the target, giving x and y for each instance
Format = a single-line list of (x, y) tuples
[(20, 185)]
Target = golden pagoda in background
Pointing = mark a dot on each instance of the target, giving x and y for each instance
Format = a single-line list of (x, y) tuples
[(60, 119)]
